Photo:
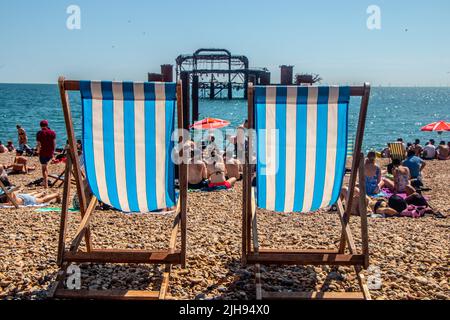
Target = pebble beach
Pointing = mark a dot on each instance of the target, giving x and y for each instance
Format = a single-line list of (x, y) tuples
[(412, 255)]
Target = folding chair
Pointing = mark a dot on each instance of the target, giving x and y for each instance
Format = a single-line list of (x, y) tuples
[(127, 139), (301, 143), (397, 150)]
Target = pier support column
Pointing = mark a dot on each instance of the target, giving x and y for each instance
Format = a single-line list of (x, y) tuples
[(211, 90), (195, 98), (184, 76)]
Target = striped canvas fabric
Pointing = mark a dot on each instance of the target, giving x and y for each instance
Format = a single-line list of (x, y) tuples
[(397, 150), (301, 146), (127, 131)]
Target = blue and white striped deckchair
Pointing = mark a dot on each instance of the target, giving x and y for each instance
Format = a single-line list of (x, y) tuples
[(127, 139), (127, 150), (301, 146), (301, 150)]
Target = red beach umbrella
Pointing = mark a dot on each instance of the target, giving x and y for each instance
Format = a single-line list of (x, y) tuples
[(439, 126), (209, 124)]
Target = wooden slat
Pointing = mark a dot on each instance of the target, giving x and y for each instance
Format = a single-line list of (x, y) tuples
[(306, 259), (73, 153), (168, 267), (124, 256), (358, 144), (298, 251), (182, 179), (363, 213), (313, 295), (84, 225), (64, 213), (106, 294)]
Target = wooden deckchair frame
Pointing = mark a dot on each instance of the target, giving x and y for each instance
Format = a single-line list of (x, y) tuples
[(8, 194), (74, 255), (253, 254)]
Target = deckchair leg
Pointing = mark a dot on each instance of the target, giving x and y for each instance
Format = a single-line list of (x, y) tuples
[(168, 267), (64, 213)]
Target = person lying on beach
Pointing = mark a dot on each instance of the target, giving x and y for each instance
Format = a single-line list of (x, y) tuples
[(401, 183), (33, 199), (233, 166), (20, 164), (443, 151), (197, 172), (372, 175), (218, 177)]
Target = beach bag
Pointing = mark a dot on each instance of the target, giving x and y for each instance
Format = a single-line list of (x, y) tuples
[(397, 203)]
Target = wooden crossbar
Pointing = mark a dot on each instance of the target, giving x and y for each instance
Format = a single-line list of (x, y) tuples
[(280, 258), (124, 256), (317, 295), (107, 294)]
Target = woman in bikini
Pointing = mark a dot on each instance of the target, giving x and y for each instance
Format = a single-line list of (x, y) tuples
[(401, 183), (218, 177), (372, 175)]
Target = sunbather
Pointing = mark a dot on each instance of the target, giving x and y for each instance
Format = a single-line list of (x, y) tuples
[(401, 183), (197, 172), (443, 151), (211, 161), (218, 177), (20, 164), (233, 166), (355, 209), (33, 199), (372, 174)]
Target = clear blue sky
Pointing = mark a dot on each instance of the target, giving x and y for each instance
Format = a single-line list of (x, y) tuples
[(126, 39)]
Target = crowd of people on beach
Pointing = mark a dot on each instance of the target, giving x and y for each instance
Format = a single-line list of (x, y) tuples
[(45, 150), (390, 191), (397, 189), (210, 167), (430, 151)]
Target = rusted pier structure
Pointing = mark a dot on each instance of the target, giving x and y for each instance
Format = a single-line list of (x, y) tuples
[(216, 73)]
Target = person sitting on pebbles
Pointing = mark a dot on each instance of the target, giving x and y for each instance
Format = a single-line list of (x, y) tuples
[(197, 172), (20, 164), (33, 199), (401, 183), (233, 166), (218, 177)]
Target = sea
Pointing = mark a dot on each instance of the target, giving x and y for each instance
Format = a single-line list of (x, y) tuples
[(393, 113)]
